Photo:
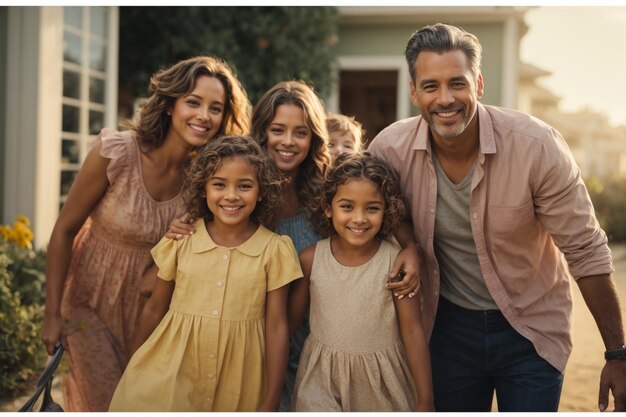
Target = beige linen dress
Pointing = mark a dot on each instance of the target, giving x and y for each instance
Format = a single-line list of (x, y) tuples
[(354, 359), (208, 352), (101, 301)]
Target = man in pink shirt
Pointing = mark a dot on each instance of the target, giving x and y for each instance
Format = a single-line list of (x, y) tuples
[(502, 221)]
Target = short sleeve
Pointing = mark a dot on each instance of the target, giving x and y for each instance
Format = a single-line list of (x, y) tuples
[(283, 266), (118, 147), (165, 255)]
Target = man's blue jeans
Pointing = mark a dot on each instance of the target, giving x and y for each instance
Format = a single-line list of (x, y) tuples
[(475, 353)]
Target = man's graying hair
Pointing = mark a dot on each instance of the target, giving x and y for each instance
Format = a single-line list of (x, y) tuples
[(443, 38)]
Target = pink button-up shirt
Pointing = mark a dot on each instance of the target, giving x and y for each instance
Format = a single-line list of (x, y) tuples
[(531, 218)]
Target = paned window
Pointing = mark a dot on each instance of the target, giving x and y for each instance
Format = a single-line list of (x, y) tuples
[(86, 41)]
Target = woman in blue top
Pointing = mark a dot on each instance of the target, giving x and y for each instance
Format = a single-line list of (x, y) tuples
[(290, 123)]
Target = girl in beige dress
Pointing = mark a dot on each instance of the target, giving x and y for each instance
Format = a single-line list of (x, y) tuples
[(367, 350), (125, 195), (215, 328)]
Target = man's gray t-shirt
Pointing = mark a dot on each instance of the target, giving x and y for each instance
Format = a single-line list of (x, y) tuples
[(462, 281)]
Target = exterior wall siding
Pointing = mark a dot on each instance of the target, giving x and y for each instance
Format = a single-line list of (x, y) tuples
[(3, 104), (20, 129)]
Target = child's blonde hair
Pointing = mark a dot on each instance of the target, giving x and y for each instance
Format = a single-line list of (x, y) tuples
[(211, 157), (336, 122), (361, 166)]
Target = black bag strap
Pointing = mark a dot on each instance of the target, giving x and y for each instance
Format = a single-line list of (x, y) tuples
[(48, 404), (30, 403), (44, 385), (52, 366)]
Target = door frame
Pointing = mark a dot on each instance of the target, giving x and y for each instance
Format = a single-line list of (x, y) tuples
[(374, 63)]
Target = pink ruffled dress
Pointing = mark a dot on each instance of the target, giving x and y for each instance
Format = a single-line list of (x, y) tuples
[(101, 302)]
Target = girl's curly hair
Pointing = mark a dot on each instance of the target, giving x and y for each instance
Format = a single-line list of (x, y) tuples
[(211, 157), (314, 167), (168, 85), (363, 166)]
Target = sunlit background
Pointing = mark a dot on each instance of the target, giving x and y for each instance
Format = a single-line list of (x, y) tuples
[(583, 48)]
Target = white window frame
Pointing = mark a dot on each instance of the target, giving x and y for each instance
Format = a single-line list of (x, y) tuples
[(83, 137)]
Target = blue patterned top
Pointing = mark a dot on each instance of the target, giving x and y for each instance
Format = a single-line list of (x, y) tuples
[(299, 229), (302, 233)]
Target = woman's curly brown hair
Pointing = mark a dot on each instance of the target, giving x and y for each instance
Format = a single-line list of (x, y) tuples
[(211, 157), (357, 167), (168, 85), (313, 169)]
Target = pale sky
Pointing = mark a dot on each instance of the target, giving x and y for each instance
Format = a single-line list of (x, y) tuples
[(585, 49)]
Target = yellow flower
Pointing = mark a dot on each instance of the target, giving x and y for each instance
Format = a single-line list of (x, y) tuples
[(11, 235), (20, 234), (20, 218), (5, 232)]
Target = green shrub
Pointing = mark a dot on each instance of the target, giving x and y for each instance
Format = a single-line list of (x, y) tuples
[(21, 351), (22, 355), (29, 278)]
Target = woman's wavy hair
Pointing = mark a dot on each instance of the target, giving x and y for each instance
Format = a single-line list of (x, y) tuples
[(314, 167), (360, 166), (166, 86), (211, 157)]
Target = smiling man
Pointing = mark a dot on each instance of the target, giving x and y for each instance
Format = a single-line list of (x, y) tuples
[(503, 221)]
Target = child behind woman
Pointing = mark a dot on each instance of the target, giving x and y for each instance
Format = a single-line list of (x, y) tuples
[(367, 350), (216, 323), (345, 134)]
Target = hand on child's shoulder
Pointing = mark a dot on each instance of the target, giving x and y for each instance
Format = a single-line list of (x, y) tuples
[(306, 256)]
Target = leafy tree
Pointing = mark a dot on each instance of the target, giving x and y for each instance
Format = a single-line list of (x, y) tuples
[(263, 45)]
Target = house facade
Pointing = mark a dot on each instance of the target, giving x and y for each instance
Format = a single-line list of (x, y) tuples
[(58, 85)]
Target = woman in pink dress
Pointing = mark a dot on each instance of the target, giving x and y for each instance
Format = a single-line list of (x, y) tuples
[(119, 207)]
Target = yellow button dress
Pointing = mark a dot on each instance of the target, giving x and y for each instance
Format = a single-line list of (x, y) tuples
[(208, 352)]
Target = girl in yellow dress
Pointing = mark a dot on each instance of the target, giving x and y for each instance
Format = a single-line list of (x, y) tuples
[(213, 336)]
